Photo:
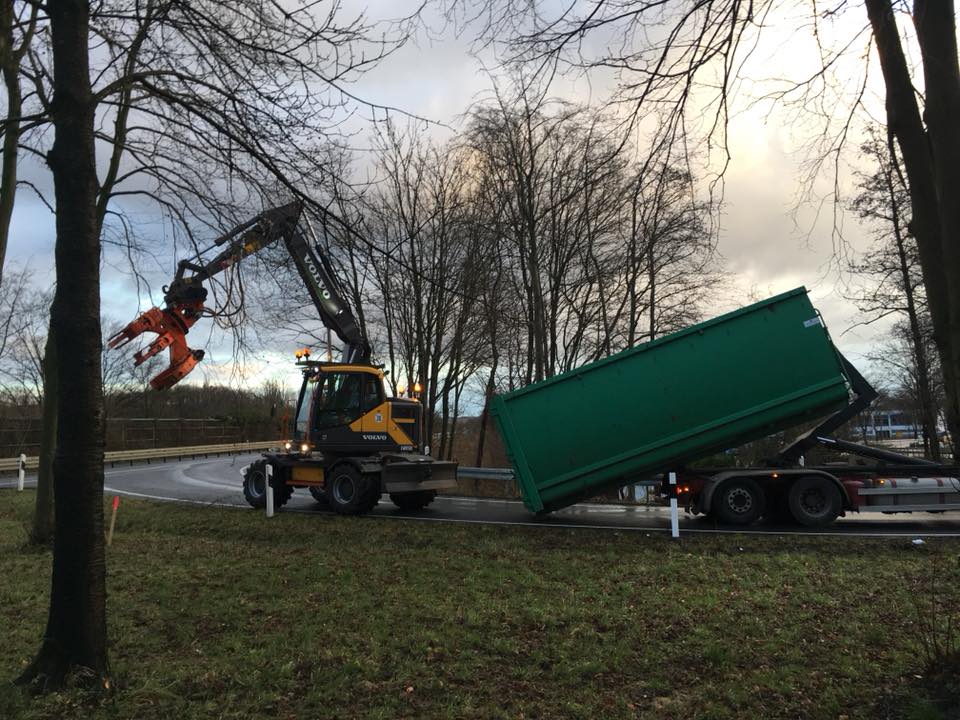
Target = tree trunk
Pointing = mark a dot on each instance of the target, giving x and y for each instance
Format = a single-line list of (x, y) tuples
[(441, 450), (485, 415), (937, 35), (75, 640), (42, 530), (457, 392), (652, 269), (927, 157), (11, 130), (927, 407)]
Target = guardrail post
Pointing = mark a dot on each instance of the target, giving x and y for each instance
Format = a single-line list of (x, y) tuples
[(674, 515), (269, 490), (21, 472)]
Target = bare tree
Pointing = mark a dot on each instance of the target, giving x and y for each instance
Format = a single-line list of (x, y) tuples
[(891, 269), (593, 249), (680, 62), (424, 277), (221, 102), (930, 148), (18, 22), (21, 363), (26, 364), (16, 306), (669, 256), (76, 633)]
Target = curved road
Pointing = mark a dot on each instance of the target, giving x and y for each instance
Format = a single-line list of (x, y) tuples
[(217, 481)]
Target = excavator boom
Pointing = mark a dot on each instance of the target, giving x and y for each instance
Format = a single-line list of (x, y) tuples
[(184, 298)]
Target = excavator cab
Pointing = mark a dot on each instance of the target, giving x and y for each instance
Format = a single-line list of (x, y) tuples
[(342, 409), (343, 397)]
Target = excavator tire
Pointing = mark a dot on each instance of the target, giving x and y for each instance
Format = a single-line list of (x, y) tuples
[(349, 492), (255, 487), (411, 501)]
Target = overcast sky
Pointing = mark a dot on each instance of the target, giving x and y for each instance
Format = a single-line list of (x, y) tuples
[(766, 243)]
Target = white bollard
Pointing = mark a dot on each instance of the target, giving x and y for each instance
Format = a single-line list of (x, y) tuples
[(269, 490), (21, 472), (674, 515)]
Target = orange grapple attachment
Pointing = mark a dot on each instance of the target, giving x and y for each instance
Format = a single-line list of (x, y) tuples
[(171, 327), (182, 361)]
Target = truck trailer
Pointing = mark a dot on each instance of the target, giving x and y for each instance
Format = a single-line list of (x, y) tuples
[(657, 408)]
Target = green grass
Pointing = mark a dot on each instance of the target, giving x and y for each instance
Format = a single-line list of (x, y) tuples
[(225, 614)]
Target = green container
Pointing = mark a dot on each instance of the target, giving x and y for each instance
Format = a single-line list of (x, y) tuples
[(654, 407)]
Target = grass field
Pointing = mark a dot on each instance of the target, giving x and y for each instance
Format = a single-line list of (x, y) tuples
[(224, 614)]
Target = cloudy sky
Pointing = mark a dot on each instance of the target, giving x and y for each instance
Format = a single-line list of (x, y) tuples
[(770, 240)]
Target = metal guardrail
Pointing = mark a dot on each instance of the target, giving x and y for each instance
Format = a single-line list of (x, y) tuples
[(148, 454), (471, 473)]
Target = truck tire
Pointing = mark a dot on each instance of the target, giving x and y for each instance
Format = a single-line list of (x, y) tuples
[(738, 501), (351, 493), (814, 500), (255, 487), (320, 495), (411, 501)]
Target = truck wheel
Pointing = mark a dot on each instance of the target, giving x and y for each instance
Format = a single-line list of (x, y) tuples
[(349, 492), (320, 495), (814, 500), (738, 502), (413, 500), (255, 487)]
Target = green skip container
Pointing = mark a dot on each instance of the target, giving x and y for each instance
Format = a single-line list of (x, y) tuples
[(655, 407)]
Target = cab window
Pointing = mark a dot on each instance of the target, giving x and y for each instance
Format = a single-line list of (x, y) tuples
[(338, 398), (305, 403), (373, 393)]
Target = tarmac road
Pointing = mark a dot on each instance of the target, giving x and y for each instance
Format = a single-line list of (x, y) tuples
[(217, 482)]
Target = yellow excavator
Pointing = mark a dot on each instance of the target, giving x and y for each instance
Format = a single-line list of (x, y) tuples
[(350, 443)]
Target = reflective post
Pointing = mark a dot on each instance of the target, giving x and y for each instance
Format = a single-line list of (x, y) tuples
[(21, 472), (674, 515), (269, 490)]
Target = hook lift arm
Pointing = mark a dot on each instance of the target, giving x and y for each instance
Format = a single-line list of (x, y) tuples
[(184, 298)]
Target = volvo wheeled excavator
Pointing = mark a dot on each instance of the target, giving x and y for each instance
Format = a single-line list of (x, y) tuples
[(350, 442)]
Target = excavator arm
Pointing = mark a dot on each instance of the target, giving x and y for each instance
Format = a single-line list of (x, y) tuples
[(184, 298)]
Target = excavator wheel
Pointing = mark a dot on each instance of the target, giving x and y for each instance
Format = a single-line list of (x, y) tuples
[(411, 501), (255, 487), (351, 493)]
